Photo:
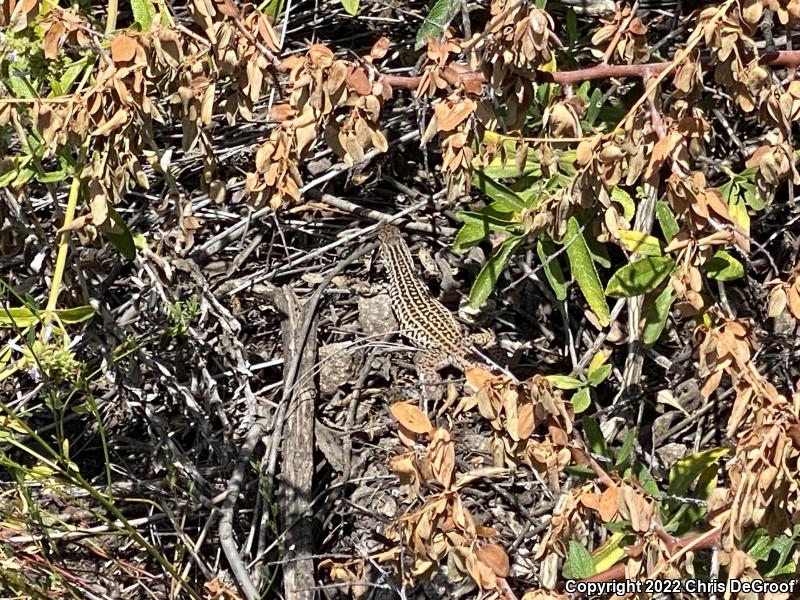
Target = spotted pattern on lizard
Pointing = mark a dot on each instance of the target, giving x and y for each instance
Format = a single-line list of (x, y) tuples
[(423, 319)]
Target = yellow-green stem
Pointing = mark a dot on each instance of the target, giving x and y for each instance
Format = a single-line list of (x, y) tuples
[(63, 239), (111, 22)]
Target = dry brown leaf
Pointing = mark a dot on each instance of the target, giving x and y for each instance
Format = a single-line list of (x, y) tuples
[(410, 417), (794, 299), (320, 55), (477, 377), (115, 122), (481, 573), (525, 421), (609, 503), (496, 558), (123, 48), (358, 81), (217, 590)]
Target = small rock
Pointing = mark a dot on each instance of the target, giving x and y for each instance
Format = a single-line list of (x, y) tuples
[(338, 365), (670, 454), (375, 315), (783, 324)]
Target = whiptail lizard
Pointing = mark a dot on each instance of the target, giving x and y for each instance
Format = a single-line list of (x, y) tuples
[(424, 320)]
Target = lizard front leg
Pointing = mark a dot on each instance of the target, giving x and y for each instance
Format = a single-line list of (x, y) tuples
[(429, 363)]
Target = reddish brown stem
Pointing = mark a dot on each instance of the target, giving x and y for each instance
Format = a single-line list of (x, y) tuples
[(784, 58)]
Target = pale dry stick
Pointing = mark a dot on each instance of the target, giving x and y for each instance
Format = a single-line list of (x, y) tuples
[(601, 337), (83, 532), (297, 466), (310, 308), (645, 217), (361, 343), (226, 540), (347, 451), (283, 26), (191, 547), (304, 257), (634, 362), (298, 578), (376, 215)]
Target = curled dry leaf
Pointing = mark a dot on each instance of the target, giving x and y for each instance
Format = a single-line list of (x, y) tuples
[(217, 590), (442, 457), (380, 48)]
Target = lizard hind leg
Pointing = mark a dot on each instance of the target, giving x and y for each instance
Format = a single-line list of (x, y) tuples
[(484, 339), (486, 343)]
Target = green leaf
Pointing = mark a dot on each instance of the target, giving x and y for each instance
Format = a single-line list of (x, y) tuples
[(724, 267), (477, 226), (21, 87), (752, 197), (552, 268), (502, 167), (765, 545), (274, 9), (656, 318), (639, 277), (143, 13), (706, 483), (22, 316), (581, 400), (627, 448), (594, 437), (585, 273), (351, 6), (24, 175), (471, 232), (598, 360), (684, 472), (624, 199), (52, 176), (69, 76), (762, 547), (572, 27), (565, 382), (647, 481), (439, 17), (599, 375), (738, 212), (611, 552), (594, 107), (71, 316), (504, 199), (598, 251), (119, 235), (490, 272), (669, 225), (579, 563), (640, 243)]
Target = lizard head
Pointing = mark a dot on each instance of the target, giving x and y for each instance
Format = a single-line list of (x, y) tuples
[(388, 235)]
